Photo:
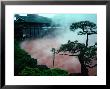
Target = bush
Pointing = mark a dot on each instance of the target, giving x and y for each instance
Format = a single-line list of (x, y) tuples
[(46, 72), (30, 72), (42, 67), (22, 59), (58, 72)]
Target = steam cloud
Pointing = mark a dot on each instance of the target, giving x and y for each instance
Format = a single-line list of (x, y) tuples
[(40, 49)]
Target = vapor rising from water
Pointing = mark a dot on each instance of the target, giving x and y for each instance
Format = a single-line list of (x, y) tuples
[(40, 49)]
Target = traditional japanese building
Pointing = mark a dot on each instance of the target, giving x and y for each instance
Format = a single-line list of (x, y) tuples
[(31, 26)]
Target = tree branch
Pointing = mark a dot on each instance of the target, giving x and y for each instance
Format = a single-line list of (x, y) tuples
[(68, 54), (91, 66)]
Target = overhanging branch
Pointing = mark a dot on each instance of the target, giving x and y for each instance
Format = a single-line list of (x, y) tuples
[(91, 66)]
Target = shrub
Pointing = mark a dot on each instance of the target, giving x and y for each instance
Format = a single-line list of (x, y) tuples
[(30, 72), (46, 72), (58, 72), (22, 59)]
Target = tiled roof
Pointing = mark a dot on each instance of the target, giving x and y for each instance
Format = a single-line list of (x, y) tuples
[(33, 18)]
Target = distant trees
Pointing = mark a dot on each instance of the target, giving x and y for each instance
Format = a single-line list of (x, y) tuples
[(85, 54), (18, 30)]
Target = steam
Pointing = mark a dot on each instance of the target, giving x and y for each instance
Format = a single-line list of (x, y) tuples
[(65, 20), (40, 49)]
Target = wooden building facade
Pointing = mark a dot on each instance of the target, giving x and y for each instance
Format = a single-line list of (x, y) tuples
[(29, 29)]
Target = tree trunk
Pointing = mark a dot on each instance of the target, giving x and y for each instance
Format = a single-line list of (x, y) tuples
[(84, 70), (53, 50), (53, 59), (87, 40)]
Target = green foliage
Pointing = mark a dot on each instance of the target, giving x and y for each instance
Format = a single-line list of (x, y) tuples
[(22, 59), (42, 67), (86, 26), (83, 25), (57, 72), (46, 72), (72, 47), (90, 54), (27, 71), (81, 33)]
